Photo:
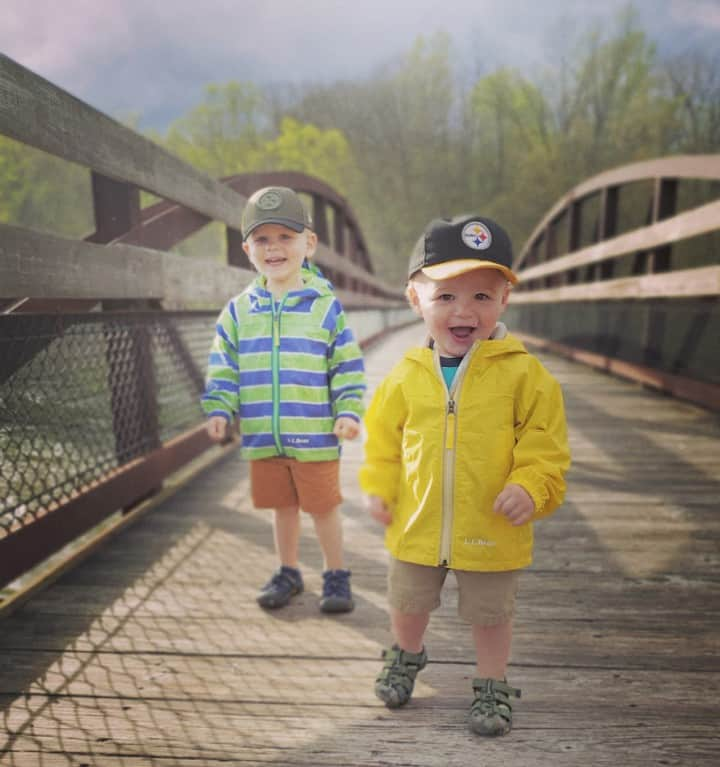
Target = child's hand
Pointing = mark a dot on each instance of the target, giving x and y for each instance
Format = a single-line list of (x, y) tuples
[(378, 510), (346, 428), (217, 428), (515, 503)]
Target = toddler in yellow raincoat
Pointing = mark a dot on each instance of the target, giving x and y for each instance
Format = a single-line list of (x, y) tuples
[(466, 448)]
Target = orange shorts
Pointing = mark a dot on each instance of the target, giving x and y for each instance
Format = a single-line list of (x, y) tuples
[(280, 483)]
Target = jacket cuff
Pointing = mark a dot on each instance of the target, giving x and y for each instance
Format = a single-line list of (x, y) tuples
[(535, 487), (348, 414)]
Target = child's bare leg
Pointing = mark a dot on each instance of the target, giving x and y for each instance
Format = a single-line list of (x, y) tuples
[(328, 528), (409, 629), (287, 535), (492, 649)]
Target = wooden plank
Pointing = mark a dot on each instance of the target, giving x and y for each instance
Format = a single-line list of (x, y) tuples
[(38, 113), (565, 724)]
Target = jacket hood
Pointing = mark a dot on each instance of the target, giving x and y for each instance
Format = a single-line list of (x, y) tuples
[(314, 286)]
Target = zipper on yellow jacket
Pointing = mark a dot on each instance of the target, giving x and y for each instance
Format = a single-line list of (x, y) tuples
[(450, 441)]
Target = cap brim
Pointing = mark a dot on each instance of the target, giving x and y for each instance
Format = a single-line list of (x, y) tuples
[(294, 225), (450, 269)]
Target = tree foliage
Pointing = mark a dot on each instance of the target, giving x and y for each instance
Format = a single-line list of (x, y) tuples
[(40, 191), (416, 140), (224, 134)]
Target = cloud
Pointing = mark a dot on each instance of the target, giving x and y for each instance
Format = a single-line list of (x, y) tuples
[(154, 58), (696, 12), (62, 41)]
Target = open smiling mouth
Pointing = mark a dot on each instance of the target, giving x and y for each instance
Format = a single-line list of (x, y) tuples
[(462, 331)]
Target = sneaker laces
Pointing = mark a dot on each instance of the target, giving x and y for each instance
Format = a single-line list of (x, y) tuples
[(336, 583), (492, 697), (282, 577)]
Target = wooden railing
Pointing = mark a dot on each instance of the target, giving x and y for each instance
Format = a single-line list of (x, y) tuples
[(104, 340), (623, 273)]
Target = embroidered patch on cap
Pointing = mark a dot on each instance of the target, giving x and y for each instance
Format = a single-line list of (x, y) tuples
[(269, 201), (476, 236)]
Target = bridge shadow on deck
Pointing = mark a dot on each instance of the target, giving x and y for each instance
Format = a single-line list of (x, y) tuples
[(153, 650)]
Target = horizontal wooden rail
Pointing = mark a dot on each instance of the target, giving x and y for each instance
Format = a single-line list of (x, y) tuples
[(685, 283), (678, 167), (45, 266), (689, 224), (326, 257), (38, 113)]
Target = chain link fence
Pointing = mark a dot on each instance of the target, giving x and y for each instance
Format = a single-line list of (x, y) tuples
[(81, 395)]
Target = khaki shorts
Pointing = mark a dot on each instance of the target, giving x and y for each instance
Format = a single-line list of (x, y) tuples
[(485, 599), (283, 483)]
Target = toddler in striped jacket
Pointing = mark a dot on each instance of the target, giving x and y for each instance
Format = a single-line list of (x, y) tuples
[(286, 363)]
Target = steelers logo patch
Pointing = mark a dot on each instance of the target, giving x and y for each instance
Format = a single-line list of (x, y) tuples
[(269, 201), (476, 236)]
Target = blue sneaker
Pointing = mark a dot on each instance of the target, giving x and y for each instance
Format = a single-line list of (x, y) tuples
[(336, 596), (285, 583)]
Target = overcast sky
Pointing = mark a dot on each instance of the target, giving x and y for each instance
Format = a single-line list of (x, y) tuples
[(153, 58)]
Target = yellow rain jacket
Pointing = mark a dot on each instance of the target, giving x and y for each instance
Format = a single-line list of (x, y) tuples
[(439, 459)]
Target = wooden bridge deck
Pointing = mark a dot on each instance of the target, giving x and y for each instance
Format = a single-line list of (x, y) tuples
[(153, 651)]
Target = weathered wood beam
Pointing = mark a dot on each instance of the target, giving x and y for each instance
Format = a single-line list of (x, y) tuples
[(701, 166), (41, 265), (685, 283), (326, 257), (38, 113), (700, 220)]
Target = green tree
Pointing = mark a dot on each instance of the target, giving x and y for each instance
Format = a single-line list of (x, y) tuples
[(308, 149), (533, 142), (694, 83), (225, 134), (401, 126), (39, 191)]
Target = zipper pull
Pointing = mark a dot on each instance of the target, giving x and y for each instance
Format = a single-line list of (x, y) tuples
[(450, 425)]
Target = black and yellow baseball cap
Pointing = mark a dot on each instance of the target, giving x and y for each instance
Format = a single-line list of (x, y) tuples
[(452, 246), (275, 205)]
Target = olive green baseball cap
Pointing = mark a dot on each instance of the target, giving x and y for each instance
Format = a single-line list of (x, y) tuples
[(274, 205)]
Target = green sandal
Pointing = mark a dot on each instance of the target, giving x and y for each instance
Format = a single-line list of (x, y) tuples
[(491, 711), (394, 684)]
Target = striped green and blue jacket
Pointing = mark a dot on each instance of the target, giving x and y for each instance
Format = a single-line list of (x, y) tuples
[(288, 368)]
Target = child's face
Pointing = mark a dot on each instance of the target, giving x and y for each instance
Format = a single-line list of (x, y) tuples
[(278, 254), (459, 311)]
